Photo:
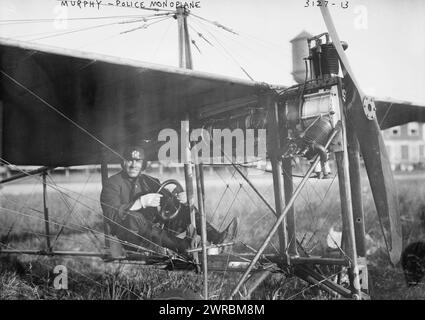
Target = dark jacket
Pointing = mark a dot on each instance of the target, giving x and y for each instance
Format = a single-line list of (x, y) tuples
[(119, 193), (118, 196)]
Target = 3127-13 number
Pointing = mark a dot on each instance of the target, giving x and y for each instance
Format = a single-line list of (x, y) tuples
[(324, 3)]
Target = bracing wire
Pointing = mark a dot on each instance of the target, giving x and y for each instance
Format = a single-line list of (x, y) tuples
[(22, 230), (219, 202), (230, 207), (196, 46), (224, 274), (314, 211), (93, 27), (200, 35), (256, 53), (239, 33), (21, 207), (228, 54), (70, 211), (63, 33), (162, 39), (144, 26), (24, 205), (319, 207), (235, 196), (252, 51), (215, 23), (42, 236), (53, 33)]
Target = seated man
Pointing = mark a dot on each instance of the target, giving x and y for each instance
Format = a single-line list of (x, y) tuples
[(129, 200)]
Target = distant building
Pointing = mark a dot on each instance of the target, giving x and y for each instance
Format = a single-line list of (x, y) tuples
[(406, 146)]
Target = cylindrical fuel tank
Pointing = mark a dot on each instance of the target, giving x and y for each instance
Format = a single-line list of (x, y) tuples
[(299, 52)]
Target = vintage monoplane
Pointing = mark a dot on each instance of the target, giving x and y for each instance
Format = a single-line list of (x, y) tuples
[(64, 108)]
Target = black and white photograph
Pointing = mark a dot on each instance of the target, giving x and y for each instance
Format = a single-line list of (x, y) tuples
[(235, 151)]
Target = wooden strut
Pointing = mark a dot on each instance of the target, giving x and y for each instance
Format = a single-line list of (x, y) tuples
[(256, 281), (145, 259), (357, 204), (53, 253), (346, 205), (317, 279), (46, 213), (185, 61), (356, 190), (104, 176), (26, 174), (188, 172), (289, 189), (281, 217), (276, 162), (214, 246)]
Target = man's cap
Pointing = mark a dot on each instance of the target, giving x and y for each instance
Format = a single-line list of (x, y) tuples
[(134, 153)]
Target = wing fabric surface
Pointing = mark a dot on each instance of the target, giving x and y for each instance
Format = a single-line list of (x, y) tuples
[(391, 113), (114, 99)]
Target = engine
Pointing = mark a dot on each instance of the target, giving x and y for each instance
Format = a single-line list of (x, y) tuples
[(313, 112)]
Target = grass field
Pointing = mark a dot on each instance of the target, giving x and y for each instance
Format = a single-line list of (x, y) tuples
[(76, 206)]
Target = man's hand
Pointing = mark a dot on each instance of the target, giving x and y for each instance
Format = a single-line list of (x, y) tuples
[(147, 200), (150, 200), (182, 197)]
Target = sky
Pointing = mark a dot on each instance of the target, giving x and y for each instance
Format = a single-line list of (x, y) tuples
[(385, 37)]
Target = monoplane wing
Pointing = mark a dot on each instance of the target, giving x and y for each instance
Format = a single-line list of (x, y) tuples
[(391, 112), (63, 107)]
